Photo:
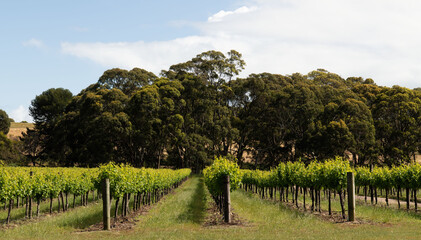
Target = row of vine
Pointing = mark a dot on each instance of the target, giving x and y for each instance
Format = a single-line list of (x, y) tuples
[(39, 184), (330, 177)]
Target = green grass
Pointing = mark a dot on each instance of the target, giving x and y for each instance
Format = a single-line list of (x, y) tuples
[(181, 216)]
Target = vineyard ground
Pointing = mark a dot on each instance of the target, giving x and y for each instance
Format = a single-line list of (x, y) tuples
[(183, 215), (381, 201)]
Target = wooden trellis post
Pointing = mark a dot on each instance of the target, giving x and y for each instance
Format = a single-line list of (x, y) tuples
[(227, 200), (106, 204), (351, 196)]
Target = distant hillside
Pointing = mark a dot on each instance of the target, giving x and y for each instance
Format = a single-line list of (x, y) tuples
[(16, 129)]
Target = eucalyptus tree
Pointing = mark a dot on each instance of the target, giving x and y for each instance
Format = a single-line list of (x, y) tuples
[(207, 114), (94, 128), (396, 112), (127, 81), (154, 113)]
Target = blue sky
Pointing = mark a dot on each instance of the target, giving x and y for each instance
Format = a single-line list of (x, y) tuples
[(69, 44), (31, 58)]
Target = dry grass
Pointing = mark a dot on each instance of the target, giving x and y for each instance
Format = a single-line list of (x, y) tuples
[(16, 129)]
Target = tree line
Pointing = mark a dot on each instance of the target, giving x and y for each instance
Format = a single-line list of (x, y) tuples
[(10, 150), (199, 109)]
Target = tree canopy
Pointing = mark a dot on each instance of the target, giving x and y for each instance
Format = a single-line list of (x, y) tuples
[(200, 109), (4, 122)]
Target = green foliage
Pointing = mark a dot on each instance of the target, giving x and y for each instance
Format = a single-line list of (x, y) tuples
[(126, 179), (330, 174), (362, 176), (9, 150), (396, 112), (127, 81), (4, 122), (49, 182), (45, 182), (49, 105), (214, 175), (404, 176)]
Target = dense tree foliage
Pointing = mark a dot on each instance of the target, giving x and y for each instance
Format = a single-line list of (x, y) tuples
[(9, 149), (4, 122), (396, 113), (199, 109), (126, 81)]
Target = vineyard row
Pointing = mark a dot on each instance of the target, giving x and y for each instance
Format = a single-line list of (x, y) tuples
[(39, 184), (317, 178)]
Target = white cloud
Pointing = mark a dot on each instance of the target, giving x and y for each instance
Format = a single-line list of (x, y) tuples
[(368, 38), (152, 56), (33, 43), (219, 16), (21, 114)]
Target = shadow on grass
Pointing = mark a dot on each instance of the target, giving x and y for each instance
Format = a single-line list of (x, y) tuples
[(196, 209), (18, 214), (82, 220)]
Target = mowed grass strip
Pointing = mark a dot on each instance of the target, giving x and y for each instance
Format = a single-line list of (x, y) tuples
[(268, 220), (274, 220), (58, 226)]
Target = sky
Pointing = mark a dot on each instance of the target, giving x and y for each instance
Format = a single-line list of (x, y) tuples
[(69, 44)]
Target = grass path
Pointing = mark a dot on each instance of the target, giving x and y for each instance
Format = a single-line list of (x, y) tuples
[(181, 215)]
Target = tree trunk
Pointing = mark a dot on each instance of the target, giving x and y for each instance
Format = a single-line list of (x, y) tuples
[(127, 203), (62, 201), (123, 205), (67, 202), (312, 199), (58, 201), (375, 194), (304, 198), (116, 207), (320, 200), (9, 211), (342, 204), (38, 202), (30, 208), (27, 207), (330, 208), (51, 204)]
